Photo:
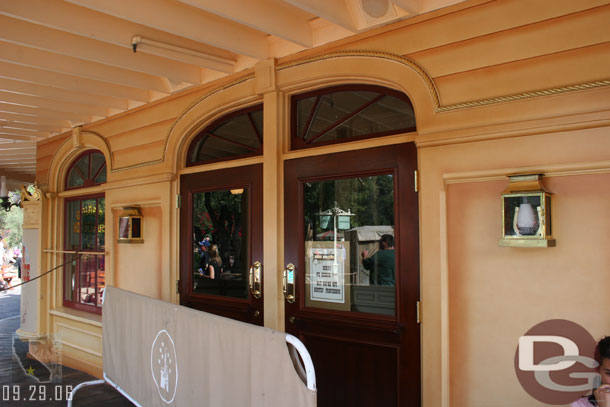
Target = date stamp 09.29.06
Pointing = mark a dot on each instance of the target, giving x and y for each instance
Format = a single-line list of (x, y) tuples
[(36, 392)]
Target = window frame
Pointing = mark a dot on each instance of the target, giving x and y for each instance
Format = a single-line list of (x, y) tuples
[(216, 123), (80, 198), (297, 143), (88, 182)]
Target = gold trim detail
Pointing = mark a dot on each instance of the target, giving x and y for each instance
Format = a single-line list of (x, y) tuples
[(525, 95)]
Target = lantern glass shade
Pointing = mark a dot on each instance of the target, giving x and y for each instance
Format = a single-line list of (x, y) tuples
[(343, 222), (130, 226), (325, 221), (526, 214)]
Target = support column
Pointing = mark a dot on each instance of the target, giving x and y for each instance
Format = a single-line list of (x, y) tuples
[(30, 263), (273, 199)]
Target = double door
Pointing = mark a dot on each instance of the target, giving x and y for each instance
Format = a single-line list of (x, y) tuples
[(351, 248)]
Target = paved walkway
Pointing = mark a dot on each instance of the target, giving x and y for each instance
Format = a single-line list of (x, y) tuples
[(25, 381)]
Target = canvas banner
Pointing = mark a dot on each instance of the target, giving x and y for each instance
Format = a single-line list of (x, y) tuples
[(163, 354)]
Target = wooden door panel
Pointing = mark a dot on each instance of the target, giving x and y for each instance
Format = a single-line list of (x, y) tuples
[(363, 369), (222, 297), (361, 357)]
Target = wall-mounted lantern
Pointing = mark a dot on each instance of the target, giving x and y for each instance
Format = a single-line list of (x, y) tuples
[(130, 225), (526, 213)]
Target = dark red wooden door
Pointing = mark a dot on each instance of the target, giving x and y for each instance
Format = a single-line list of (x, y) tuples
[(221, 215), (355, 311)]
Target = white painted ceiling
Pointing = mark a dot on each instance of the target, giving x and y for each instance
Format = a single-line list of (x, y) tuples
[(66, 63)]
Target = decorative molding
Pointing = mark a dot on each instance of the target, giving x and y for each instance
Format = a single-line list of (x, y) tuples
[(77, 136), (25, 194), (92, 319), (76, 142), (372, 54), (525, 95), (191, 106), (264, 76), (552, 170), (438, 106)]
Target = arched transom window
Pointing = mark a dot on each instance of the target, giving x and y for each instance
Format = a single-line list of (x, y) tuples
[(236, 135), (349, 112), (88, 169)]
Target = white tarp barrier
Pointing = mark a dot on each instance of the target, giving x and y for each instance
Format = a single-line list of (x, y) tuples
[(161, 354)]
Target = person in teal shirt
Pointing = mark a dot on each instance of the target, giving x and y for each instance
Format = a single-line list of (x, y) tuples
[(383, 263)]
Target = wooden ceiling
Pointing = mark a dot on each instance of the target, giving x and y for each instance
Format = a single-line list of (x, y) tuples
[(72, 62)]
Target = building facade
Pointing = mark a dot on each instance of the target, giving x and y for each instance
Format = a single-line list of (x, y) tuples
[(496, 88)]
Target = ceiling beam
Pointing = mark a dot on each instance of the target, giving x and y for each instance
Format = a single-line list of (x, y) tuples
[(17, 146), (33, 120), (17, 176), (21, 132), (78, 67), (48, 113), (18, 165), (32, 126), (24, 163), (73, 83), (62, 43), (276, 18), (81, 21), (186, 22), (8, 136), (61, 106), (50, 92), (18, 156), (334, 11)]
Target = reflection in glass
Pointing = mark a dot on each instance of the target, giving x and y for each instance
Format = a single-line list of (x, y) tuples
[(345, 114), (236, 135), (220, 242), (84, 273), (357, 273)]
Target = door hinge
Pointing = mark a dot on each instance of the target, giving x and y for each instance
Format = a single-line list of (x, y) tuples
[(418, 316), (178, 201), (177, 286), (415, 174)]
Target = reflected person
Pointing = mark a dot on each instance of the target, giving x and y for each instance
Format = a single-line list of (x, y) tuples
[(215, 265), (381, 264)]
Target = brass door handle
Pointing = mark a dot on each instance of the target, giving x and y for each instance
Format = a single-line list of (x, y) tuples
[(288, 283), (255, 279)]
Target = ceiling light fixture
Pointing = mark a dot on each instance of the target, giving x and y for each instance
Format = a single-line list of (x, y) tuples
[(185, 54)]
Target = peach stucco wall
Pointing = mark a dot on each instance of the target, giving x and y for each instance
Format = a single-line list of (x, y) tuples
[(495, 294), (140, 264)]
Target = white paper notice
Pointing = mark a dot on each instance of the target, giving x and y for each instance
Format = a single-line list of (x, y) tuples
[(327, 278)]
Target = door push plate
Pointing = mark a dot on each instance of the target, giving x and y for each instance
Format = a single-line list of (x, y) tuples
[(288, 283)]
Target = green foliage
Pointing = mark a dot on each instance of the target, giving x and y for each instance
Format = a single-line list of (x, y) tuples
[(222, 216), (370, 198), (11, 226)]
